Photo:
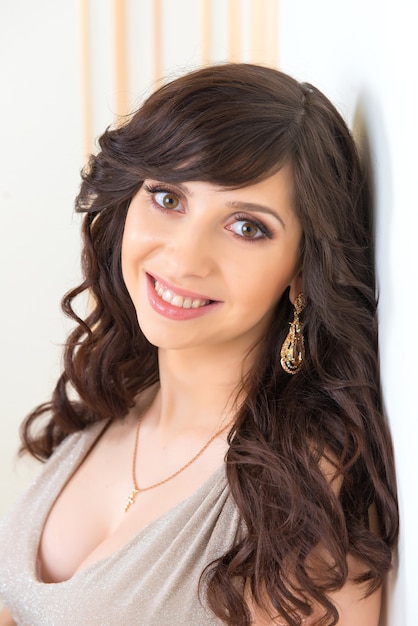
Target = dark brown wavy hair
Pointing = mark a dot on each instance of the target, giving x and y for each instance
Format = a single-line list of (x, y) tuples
[(233, 125)]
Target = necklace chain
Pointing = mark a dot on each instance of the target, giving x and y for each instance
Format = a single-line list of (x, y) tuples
[(136, 489)]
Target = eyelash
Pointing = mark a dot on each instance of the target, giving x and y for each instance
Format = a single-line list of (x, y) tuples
[(151, 190), (267, 233)]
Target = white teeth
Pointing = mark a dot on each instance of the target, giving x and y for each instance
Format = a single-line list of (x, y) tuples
[(167, 296), (177, 300)]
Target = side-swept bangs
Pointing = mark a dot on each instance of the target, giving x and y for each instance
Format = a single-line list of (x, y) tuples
[(209, 125)]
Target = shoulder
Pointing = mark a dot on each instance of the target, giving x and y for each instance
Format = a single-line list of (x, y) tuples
[(330, 469), (353, 604), (353, 601)]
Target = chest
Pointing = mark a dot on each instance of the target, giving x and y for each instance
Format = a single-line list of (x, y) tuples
[(152, 579), (88, 522)]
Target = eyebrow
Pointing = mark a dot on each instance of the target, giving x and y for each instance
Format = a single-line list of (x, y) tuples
[(257, 208)]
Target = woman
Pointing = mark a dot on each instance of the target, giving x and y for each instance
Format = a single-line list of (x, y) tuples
[(217, 450)]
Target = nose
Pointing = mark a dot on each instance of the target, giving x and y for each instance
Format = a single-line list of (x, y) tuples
[(190, 250)]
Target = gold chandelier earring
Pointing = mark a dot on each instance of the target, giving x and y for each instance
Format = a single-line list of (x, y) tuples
[(293, 349)]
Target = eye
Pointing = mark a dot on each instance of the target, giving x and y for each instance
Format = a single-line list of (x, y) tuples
[(246, 229), (166, 199)]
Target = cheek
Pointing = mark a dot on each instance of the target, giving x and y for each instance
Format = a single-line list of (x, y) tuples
[(126, 251), (128, 274), (266, 279), (131, 252), (138, 241)]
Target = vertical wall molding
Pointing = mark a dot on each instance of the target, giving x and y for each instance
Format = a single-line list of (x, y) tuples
[(257, 31), (157, 48), (264, 31), (271, 30), (206, 30), (121, 56), (234, 30), (113, 31), (87, 104)]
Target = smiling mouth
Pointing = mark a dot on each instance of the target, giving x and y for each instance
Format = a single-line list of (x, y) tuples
[(175, 299)]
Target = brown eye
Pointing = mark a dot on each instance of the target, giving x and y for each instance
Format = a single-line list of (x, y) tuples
[(167, 199), (249, 230)]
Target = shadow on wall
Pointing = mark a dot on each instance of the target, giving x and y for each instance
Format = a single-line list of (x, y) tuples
[(370, 135)]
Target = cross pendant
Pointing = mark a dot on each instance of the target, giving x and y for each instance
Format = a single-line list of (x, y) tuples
[(131, 498)]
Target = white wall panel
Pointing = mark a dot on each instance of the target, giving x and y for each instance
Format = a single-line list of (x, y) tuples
[(363, 56), (41, 151)]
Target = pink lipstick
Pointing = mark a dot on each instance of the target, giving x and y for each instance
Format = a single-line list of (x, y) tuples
[(176, 303)]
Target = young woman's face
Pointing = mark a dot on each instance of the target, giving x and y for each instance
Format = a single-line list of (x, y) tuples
[(206, 265)]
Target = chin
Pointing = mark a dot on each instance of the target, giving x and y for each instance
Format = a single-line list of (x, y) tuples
[(163, 338)]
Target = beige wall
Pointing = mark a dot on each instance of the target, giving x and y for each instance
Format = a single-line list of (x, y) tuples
[(67, 69)]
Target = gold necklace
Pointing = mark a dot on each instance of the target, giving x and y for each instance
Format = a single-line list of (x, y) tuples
[(136, 490)]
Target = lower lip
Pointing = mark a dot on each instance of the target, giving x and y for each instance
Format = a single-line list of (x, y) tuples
[(174, 312)]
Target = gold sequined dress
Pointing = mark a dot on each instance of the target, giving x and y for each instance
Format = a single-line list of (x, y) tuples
[(151, 581)]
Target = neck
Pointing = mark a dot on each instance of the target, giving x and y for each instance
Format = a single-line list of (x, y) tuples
[(198, 389)]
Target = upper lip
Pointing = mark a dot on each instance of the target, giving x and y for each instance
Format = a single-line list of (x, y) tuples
[(178, 290)]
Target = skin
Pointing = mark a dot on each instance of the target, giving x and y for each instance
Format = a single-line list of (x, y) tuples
[(198, 245), (351, 601), (6, 619), (194, 247), (209, 244), (353, 609)]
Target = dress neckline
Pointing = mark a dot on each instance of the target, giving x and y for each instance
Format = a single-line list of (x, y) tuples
[(86, 448)]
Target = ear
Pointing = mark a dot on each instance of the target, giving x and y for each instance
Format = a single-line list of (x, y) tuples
[(296, 287)]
